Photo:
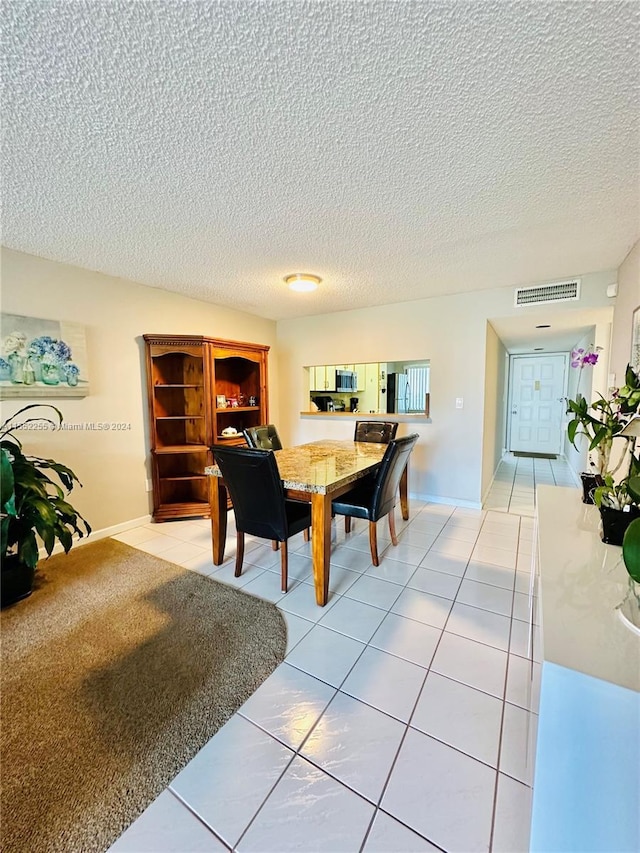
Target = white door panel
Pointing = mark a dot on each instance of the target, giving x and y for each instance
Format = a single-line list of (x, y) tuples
[(537, 403)]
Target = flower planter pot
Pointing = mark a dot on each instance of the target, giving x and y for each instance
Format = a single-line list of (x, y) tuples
[(16, 581), (589, 483), (615, 523), (629, 609), (50, 374)]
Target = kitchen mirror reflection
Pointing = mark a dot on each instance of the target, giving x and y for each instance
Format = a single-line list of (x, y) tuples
[(400, 387)]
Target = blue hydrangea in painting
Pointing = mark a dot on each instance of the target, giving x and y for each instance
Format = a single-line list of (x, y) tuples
[(39, 346), (62, 351), (45, 345)]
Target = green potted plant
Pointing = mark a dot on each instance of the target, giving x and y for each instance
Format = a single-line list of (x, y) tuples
[(33, 508), (618, 509), (609, 418), (619, 501)]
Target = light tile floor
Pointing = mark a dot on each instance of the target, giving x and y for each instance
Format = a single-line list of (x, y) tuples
[(400, 719)]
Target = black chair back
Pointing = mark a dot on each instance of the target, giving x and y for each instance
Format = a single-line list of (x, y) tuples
[(263, 437), (256, 490), (381, 432), (388, 476)]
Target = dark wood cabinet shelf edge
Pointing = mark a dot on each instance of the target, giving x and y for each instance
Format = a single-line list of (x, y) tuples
[(167, 385), (181, 448), (231, 409), (180, 509), (179, 417), (184, 477)]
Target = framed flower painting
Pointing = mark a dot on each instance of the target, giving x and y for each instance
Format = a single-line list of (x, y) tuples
[(42, 358)]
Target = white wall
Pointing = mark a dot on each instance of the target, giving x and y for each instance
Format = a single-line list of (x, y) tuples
[(113, 465), (451, 332), (494, 406), (627, 301)]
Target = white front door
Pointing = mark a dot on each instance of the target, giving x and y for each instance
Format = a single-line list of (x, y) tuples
[(537, 403)]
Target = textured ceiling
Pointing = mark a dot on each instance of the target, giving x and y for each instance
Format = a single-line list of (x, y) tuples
[(397, 149)]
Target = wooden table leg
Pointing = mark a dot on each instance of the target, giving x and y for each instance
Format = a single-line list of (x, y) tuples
[(321, 545), (404, 492), (218, 503)]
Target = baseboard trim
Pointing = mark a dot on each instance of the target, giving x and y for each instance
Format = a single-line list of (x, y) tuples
[(488, 489), (103, 533), (439, 499)]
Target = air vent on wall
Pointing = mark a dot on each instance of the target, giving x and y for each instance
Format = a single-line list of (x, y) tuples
[(560, 291)]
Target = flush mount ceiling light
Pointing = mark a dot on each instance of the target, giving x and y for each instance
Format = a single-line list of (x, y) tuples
[(302, 282)]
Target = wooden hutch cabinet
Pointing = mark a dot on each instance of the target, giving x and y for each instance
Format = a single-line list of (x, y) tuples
[(188, 378)]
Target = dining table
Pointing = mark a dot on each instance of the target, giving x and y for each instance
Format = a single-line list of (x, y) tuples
[(317, 472)]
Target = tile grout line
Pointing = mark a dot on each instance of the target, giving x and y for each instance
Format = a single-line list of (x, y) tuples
[(195, 814), (428, 669), (415, 705)]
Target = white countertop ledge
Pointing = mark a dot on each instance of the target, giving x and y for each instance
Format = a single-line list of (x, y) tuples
[(367, 416), (582, 582)]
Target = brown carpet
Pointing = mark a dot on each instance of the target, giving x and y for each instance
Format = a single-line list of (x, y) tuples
[(115, 672)]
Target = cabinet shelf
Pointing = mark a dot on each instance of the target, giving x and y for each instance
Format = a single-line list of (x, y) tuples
[(184, 477), (191, 503), (228, 410), (181, 448), (180, 417), (175, 385)]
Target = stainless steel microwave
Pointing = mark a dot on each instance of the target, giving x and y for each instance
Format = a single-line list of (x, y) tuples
[(346, 380)]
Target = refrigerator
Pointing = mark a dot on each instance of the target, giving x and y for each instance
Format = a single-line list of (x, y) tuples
[(397, 393)]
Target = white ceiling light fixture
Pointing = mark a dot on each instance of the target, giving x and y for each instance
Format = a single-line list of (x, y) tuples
[(302, 282)]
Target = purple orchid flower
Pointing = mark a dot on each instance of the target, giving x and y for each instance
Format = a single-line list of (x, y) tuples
[(579, 357)]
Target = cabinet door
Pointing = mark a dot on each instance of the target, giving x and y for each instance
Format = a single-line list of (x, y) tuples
[(360, 370), (369, 399), (330, 377)]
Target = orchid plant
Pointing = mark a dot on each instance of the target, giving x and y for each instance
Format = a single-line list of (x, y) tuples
[(581, 357), (611, 415)]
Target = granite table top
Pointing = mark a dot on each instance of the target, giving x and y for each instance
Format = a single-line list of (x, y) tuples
[(322, 467)]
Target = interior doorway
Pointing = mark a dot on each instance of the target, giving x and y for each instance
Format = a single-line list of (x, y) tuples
[(537, 391)]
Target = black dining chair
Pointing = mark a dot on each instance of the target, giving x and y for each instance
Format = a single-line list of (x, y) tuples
[(263, 437), (374, 497), (378, 432), (259, 503), (381, 432)]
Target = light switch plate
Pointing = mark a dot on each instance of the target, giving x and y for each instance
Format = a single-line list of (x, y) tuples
[(459, 402)]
